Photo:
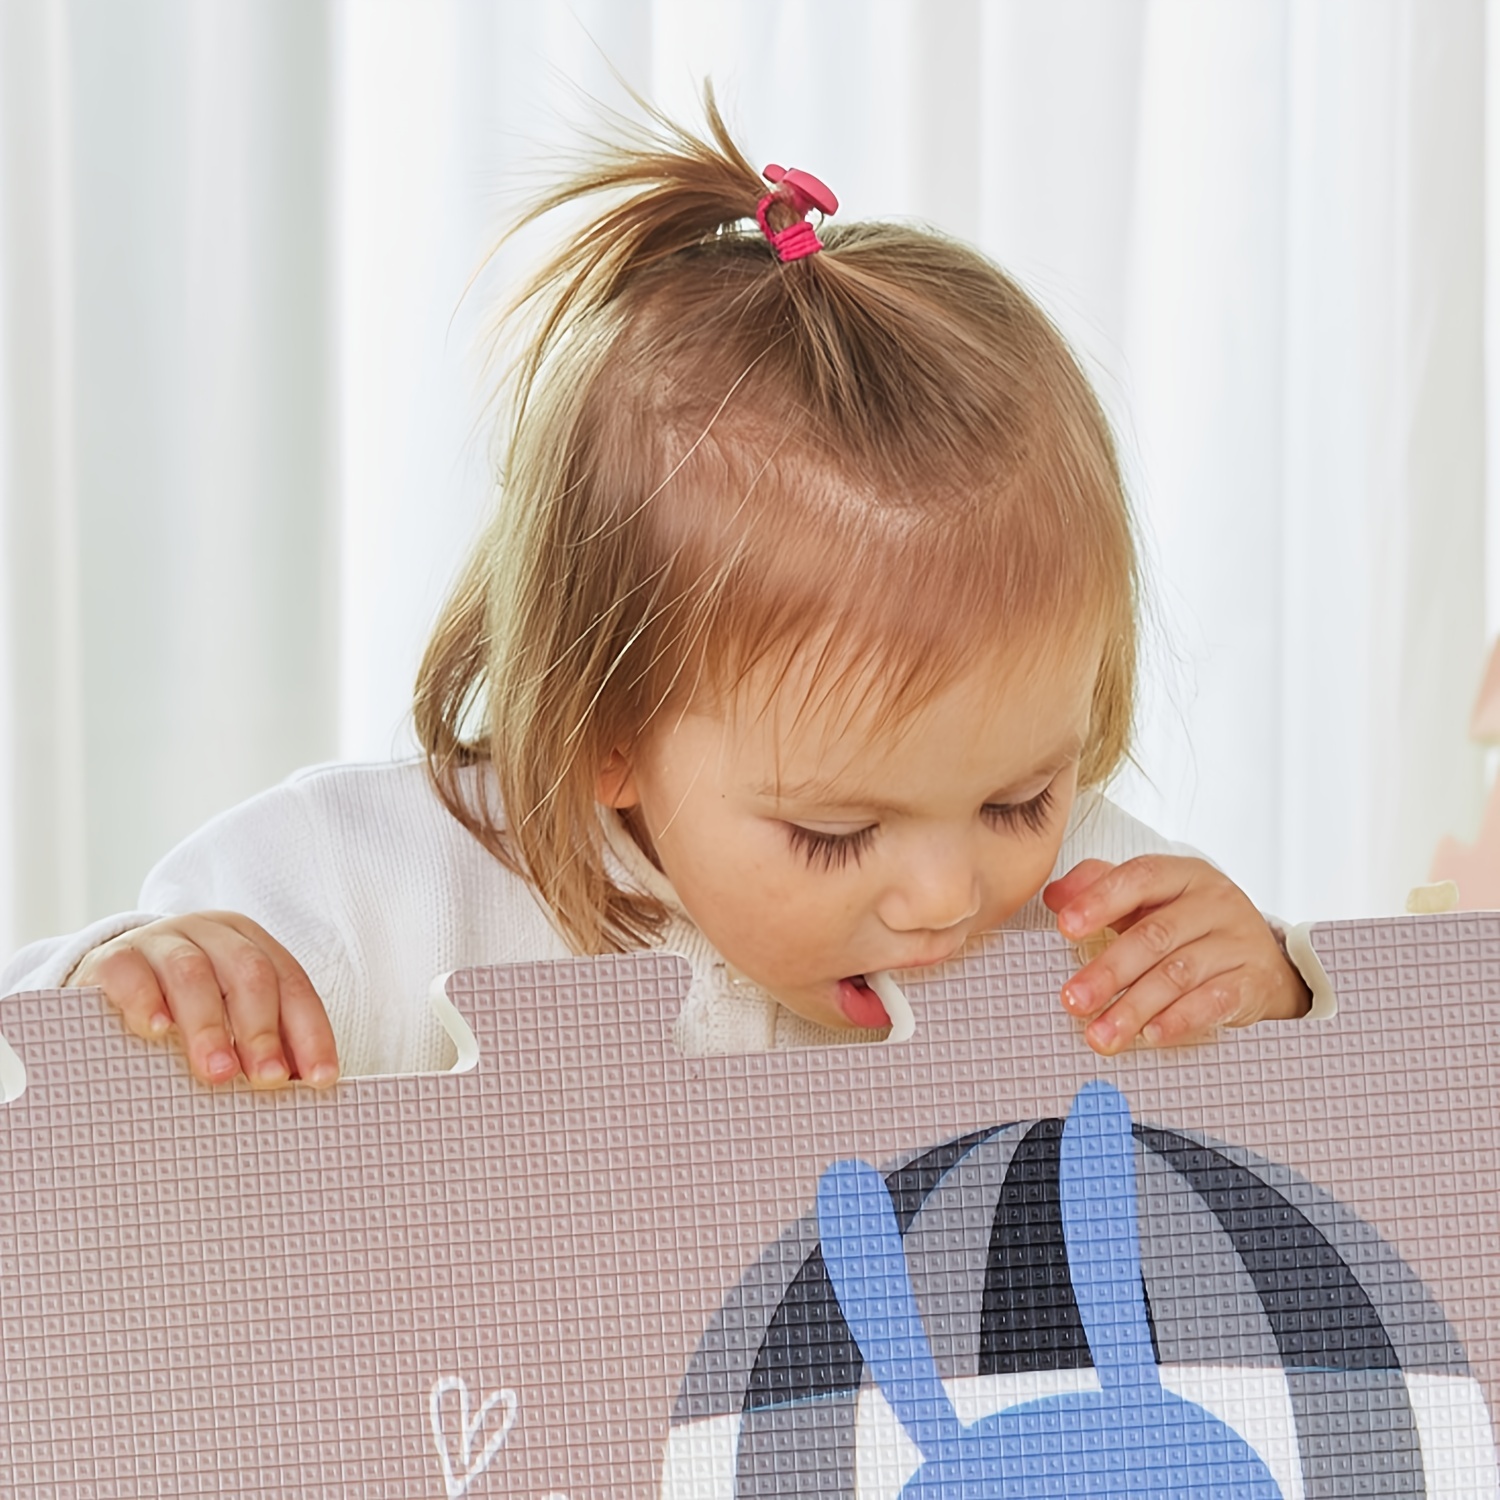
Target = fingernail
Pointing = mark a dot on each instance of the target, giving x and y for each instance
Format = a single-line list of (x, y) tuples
[(270, 1071), (1103, 1034), (1076, 997), (159, 1024), (322, 1075), (1151, 1032), (222, 1063)]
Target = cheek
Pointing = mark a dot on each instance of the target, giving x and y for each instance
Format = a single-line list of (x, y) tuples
[(1024, 866), (766, 911), (1032, 870), (722, 866), (761, 883)]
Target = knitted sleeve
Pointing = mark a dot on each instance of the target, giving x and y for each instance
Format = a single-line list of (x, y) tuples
[(260, 859)]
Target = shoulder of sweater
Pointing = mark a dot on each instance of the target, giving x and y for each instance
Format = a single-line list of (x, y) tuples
[(338, 809), (1101, 829), (397, 796)]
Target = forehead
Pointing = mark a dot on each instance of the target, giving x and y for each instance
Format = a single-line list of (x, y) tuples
[(794, 732)]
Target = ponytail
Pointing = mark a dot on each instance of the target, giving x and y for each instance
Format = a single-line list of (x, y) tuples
[(681, 194)]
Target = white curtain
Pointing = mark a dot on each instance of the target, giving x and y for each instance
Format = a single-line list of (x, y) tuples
[(167, 495), (239, 458)]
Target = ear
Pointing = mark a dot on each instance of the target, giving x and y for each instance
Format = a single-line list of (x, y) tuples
[(616, 784)]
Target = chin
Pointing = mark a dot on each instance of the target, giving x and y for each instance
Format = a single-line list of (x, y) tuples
[(819, 1011), (816, 1003)]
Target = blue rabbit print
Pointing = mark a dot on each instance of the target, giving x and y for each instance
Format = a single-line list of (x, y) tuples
[(1131, 1438)]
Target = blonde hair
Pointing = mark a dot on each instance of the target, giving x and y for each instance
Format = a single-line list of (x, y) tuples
[(883, 453)]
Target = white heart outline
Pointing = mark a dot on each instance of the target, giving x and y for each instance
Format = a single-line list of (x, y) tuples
[(473, 1467)]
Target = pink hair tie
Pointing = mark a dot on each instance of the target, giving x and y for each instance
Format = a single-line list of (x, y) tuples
[(800, 191)]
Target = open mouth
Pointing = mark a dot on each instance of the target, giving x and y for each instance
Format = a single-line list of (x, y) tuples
[(859, 1004)]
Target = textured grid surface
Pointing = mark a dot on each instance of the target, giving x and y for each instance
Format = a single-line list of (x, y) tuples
[(592, 1268)]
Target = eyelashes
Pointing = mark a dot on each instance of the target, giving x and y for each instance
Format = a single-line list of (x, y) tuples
[(1032, 816), (829, 851), (832, 851)]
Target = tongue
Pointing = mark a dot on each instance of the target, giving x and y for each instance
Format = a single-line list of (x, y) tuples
[(860, 1004)]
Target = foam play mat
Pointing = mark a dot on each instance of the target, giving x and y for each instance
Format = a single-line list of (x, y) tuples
[(979, 1263)]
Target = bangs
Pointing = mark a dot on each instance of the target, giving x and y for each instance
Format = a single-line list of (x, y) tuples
[(867, 601)]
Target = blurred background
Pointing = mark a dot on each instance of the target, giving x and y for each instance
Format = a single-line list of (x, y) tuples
[(241, 453)]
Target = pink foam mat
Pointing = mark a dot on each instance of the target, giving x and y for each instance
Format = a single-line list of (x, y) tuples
[(588, 1267)]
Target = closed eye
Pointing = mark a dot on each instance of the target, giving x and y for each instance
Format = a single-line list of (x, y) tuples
[(829, 851), (832, 851), (1032, 815)]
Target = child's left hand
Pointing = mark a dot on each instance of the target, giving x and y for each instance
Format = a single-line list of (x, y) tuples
[(1193, 953)]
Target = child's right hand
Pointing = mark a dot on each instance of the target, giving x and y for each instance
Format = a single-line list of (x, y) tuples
[(236, 998)]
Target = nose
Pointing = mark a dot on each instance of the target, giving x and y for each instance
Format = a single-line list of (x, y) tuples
[(938, 889)]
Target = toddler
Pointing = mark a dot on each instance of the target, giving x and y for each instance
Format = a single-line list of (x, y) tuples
[(801, 642)]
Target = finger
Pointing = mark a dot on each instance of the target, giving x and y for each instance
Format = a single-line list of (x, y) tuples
[(1154, 939), (1201, 1012), (129, 984), (251, 989), (1146, 881), (306, 1034), (1197, 969), (191, 989), (1058, 893)]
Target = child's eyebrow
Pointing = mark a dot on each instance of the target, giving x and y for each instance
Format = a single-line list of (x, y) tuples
[(833, 797)]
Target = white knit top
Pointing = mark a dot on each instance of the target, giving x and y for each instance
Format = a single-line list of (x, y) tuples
[(375, 888)]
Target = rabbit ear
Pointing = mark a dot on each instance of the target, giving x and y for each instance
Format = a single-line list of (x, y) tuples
[(866, 1262), (1097, 1184)]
